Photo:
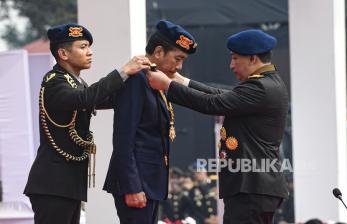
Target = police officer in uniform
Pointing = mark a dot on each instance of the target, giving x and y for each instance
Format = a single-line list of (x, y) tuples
[(138, 172), (58, 180), (255, 112)]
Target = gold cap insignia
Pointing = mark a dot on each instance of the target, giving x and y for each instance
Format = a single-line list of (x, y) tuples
[(223, 133), (75, 32), (184, 42), (231, 143)]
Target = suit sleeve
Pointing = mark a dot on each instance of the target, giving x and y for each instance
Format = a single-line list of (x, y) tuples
[(128, 111), (61, 96), (245, 98), (204, 88)]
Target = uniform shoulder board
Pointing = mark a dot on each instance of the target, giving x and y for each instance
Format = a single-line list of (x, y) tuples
[(49, 76), (256, 76)]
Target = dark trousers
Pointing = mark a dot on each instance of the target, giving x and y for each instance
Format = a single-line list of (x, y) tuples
[(50, 209), (130, 215), (250, 209)]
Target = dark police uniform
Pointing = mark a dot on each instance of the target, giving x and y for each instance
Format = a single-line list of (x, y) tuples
[(139, 160), (255, 112), (57, 181)]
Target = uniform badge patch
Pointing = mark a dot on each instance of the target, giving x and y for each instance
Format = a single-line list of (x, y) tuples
[(184, 42), (231, 143), (223, 133), (75, 32)]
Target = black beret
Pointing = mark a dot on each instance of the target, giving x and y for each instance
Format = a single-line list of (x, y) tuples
[(67, 33)]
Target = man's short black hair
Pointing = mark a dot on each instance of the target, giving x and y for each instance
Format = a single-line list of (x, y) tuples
[(54, 48), (265, 57), (157, 40)]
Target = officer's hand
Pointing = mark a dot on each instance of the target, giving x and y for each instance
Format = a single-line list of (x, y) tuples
[(158, 80), (137, 200), (136, 64)]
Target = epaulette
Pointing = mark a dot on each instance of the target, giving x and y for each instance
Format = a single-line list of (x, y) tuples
[(68, 78)]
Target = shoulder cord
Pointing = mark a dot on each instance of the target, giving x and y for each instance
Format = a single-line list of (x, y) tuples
[(88, 145)]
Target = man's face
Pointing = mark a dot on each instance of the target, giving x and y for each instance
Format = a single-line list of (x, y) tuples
[(171, 61), (241, 66), (79, 55)]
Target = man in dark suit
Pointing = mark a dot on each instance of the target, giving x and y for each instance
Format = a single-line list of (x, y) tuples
[(138, 172), (255, 112), (57, 181)]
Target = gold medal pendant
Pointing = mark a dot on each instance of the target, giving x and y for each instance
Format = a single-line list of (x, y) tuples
[(231, 143), (172, 132)]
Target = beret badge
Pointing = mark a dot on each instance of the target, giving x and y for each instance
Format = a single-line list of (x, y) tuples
[(184, 42), (75, 32)]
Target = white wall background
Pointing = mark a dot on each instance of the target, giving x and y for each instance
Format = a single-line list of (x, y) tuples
[(16, 130), (318, 81)]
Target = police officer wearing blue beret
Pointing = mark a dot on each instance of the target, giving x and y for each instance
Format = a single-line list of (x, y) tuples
[(58, 178), (143, 128), (255, 112)]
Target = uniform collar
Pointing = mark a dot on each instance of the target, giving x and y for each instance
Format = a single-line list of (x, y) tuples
[(60, 69), (259, 73)]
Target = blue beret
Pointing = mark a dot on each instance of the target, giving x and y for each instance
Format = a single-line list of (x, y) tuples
[(67, 33), (251, 42), (177, 36)]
